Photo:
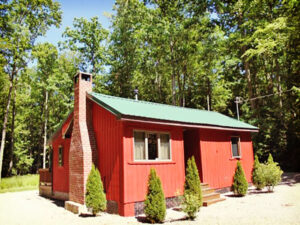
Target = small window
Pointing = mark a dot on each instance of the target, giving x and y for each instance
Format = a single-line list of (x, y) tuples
[(60, 156), (151, 146), (139, 146), (50, 158), (165, 146), (235, 147)]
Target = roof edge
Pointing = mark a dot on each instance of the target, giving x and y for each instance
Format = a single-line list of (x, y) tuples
[(59, 128), (182, 124), (104, 105)]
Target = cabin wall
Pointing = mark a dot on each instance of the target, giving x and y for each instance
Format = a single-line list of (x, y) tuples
[(136, 174), (60, 182), (192, 148), (217, 164), (108, 132)]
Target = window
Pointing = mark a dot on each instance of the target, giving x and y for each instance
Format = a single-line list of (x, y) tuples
[(151, 146), (235, 147), (60, 156)]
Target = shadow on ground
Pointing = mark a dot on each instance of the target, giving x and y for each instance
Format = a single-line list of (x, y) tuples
[(58, 203), (290, 179), (143, 219), (233, 196), (86, 215)]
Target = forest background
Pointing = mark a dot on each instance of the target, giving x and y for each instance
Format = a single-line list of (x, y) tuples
[(190, 53)]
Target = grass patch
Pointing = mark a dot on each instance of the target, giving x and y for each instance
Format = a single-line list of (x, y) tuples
[(19, 183)]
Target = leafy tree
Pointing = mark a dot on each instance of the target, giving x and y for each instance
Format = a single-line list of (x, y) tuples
[(95, 197), (240, 184), (258, 179), (155, 205), (46, 55), (88, 39), (192, 189), (24, 22)]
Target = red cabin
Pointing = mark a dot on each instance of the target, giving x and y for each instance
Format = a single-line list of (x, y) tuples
[(124, 138)]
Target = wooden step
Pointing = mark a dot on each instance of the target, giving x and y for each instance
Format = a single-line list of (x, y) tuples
[(203, 185), (210, 196), (209, 202), (207, 190)]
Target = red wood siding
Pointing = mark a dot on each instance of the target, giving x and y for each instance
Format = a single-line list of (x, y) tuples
[(217, 164), (61, 173), (136, 173), (108, 132), (192, 148)]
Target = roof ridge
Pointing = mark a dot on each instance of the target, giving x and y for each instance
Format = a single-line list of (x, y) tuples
[(155, 103)]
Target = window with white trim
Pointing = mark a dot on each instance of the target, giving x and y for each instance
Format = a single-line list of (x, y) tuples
[(235, 147), (151, 146)]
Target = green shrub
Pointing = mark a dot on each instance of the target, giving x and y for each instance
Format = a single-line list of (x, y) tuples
[(95, 197), (155, 205), (272, 173), (192, 190), (240, 184), (258, 178)]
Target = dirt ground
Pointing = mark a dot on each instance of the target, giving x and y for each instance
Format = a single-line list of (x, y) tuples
[(280, 207)]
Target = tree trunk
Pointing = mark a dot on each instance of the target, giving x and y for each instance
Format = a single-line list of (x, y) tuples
[(5, 124), (173, 89), (279, 85), (208, 95), (45, 130), (12, 142), (246, 63), (173, 76), (249, 80)]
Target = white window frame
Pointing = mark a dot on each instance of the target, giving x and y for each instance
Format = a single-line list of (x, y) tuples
[(158, 133), (239, 147)]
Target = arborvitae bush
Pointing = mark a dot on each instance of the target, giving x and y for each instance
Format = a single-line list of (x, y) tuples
[(95, 197), (155, 204), (240, 184), (258, 178), (272, 173), (192, 190)]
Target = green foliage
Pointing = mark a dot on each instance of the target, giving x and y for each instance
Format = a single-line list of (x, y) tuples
[(22, 22), (240, 184), (272, 173), (87, 38), (19, 183), (155, 205), (192, 190), (187, 53), (258, 179), (95, 197)]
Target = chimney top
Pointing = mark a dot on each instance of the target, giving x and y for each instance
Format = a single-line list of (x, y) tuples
[(83, 76)]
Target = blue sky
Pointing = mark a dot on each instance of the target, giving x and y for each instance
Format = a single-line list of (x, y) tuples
[(78, 8)]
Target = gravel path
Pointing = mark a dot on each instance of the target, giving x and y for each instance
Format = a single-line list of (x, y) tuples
[(280, 207)]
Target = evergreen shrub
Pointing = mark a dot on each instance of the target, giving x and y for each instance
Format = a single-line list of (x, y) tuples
[(95, 197), (240, 184), (155, 204), (192, 200)]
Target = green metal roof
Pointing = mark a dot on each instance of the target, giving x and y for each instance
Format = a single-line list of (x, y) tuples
[(123, 108)]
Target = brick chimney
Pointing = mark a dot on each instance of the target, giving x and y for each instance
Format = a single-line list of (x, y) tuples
[(83, 145)]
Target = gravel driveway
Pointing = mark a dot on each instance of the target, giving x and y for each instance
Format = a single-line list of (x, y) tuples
[(280, 207)]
